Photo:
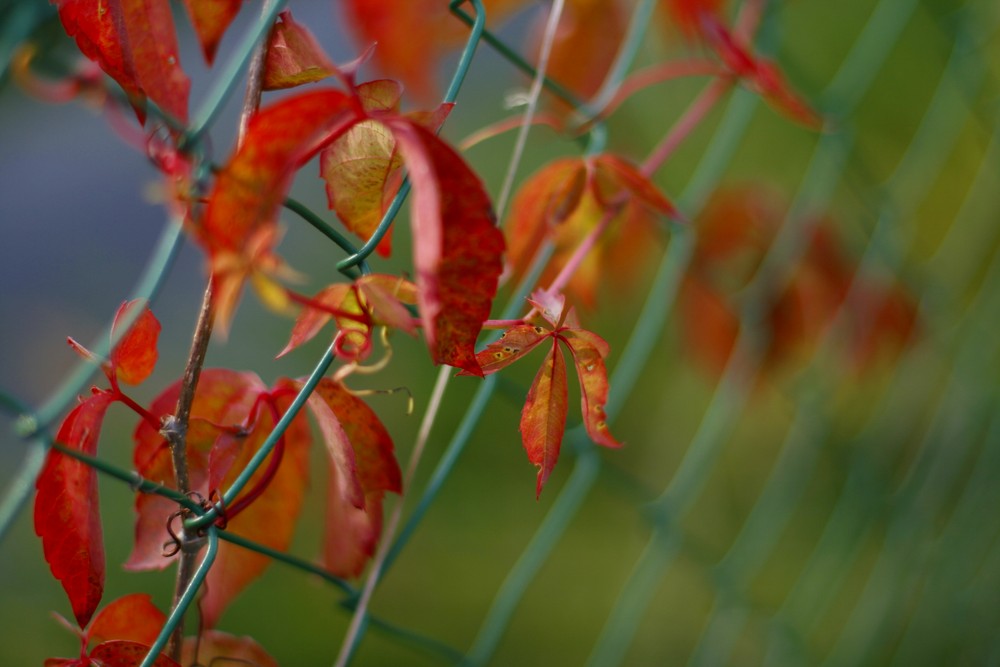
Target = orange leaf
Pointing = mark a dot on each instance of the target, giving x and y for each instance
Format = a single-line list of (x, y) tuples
[(311, 320), (211, 18), (134, 358), (457, 247), (410, 54), (589, 351), (269, 519), (239, 224), (543, 418), (67, 517), (585, 46), (615, 178), (384, 297), (212, 647), (131, 617), (293, 56), (566, 200), (544, 201)]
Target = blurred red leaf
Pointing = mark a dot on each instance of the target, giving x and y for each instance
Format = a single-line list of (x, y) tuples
[(239, 223), (566, 200), (121, 653), (408, 54), (543, 418), (131, 617), (211, 18), (96, 31), (586, 43), (212, 647), (735, 231), (688, 13), (294, 57), (352, 528), (134, 42), (703, 19), (224, 399), (151, 44), (457, 247), (134, 358), (67, 516)]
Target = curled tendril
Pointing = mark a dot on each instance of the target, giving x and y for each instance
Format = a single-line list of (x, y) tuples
[(177, 538)]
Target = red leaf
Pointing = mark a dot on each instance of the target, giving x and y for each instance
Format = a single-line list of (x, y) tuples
[(457, 247), (120, 653), (586, 44), (512, 345), (96, 31), (210, 19), (239, 224), (344, 484), (293, 56), (375, 299), (353, 530), (134, 42), (223, 398), (311, 320), (270, 519), (131, 617), (702, 18), (150, 43), (134, 358), (66, 509), (543, 418), (589, 351), (213, 647)]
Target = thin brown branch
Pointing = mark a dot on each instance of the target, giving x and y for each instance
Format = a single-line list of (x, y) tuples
[(175, 428)]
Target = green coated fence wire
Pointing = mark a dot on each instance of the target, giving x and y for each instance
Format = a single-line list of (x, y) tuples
[(905, 528)]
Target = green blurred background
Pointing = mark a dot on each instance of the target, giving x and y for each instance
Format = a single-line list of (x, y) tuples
[(831, 517)]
